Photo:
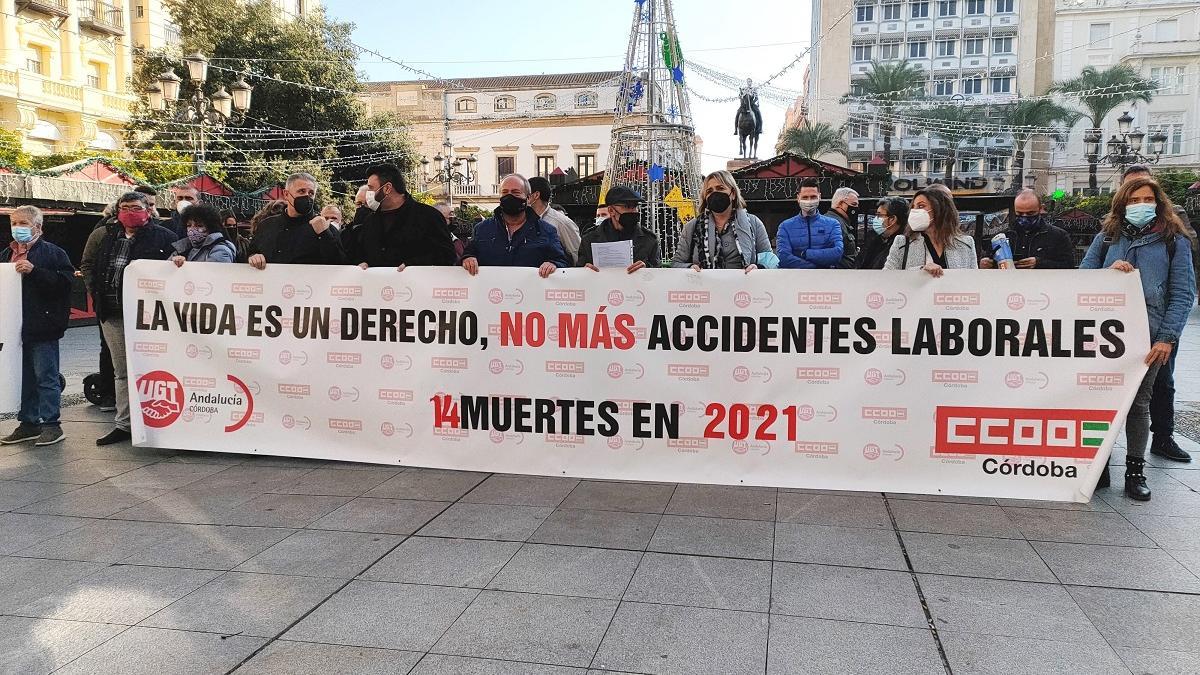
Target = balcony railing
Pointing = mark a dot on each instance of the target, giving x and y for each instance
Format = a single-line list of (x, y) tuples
[(51, 7), (102, 17)]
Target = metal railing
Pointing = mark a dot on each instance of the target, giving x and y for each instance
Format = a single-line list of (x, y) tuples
[(101, 16)]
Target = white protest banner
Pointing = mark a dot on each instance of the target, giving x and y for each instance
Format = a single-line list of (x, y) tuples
[(992, 383), (10, 338)]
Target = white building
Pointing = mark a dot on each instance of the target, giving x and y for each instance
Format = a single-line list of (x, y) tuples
[(1158, 38), (526, 124), (973, 51)]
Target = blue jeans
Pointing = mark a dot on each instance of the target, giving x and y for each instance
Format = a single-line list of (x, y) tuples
[(40, 393), (1162, 403)]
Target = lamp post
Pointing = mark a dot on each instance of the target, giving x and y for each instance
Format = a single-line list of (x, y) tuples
[(1124, 148), (447, 169), (217, 109)]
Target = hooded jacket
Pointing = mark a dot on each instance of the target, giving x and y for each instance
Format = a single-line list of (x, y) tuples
[(645, 243), (1168, 280), (535, 243), (214, 248)]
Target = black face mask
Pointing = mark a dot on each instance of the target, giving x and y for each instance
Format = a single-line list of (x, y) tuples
[(512, 205), (1027, 223), (629, 220), (305, 206), (717, 202), (851, 214), (360, 215)]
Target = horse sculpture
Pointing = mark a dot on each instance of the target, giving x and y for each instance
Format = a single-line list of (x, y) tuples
[(748, 126)]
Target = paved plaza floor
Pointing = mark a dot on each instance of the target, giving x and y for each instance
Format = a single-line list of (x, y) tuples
[(127, 560)]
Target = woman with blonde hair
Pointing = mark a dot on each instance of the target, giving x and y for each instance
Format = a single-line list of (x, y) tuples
[(730, 237), (1141, 232), (934, 240)]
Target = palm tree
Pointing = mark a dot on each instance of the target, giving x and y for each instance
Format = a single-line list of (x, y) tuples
[(1099, 92), (884, 86), (1028, 118), (811, 140), (954, 124)]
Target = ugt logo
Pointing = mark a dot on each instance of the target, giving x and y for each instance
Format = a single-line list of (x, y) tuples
[(445, 411), (161, 397), (1025, 432)]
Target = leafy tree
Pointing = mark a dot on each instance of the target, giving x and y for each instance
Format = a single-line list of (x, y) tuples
[(1099, 92), (1027, 119), (812, 140), (1175, 182), (12, 153), (884, 86)]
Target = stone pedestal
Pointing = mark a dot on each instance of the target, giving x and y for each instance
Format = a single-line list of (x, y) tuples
[(735, 164)]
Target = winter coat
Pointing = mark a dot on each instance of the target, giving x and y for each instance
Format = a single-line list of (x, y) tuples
[(45, 292), (645, 243), (1168, 281), (849, 245), (810, 242), (414, 234), (960, 254), (1049, 244), (749, 231), (150, 242), (214, 248), (535, 243), (292, 241), (874, 252)]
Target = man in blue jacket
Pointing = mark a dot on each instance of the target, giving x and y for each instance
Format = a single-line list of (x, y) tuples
[(514, 236), (810, 240), (46, 273)]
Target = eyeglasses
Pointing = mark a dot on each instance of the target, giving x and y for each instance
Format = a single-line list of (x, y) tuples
[(134, 208)]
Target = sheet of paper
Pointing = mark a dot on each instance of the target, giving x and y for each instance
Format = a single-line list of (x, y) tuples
[(615, 254)]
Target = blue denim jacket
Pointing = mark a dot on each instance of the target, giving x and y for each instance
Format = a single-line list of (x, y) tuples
[(1170, 294)]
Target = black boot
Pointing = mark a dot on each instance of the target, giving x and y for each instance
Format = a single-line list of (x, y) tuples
[(1105, 478), (1135, 480), (1165, 446)]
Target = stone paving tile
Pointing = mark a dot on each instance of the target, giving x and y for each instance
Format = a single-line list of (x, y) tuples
[(664, 639), (469, 563), (1007, 608), (284, 657), (568, 570), (21, 464), (338, 482), (41, 646), (487, 521), (102, 540), (444, 664), (1173, 532), (846, 594), (237, 603), (164, 476), (714, 536), (19, 530), (437, 485), (1189, 559), (384, 516), (949, 518), (385, 615), (1164, 503), (1188, 477), (152, 651), (123, 594), (998, 655), (723, 501), (700, 581), (848, 510), (1094, 505), (1160, 662), (546, 629), (1117, 566), (93, 501), (216, 547), (618, 496), (983, 557), (188, 506), (17, 493), (602, 529), (949, 499), (275, 510), (831, 545), (321, 553), (801, 646), (23, 580), (1077, 527), (1143, 619), (521, 490), (249, 477), (85, 471)]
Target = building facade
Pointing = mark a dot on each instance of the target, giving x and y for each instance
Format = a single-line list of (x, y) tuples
[(1160, 39), (974, 51), (535, 125)]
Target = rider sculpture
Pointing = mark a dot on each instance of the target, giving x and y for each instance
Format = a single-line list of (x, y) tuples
[(748, 124)]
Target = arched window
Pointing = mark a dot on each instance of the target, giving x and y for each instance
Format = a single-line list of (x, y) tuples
[(586, 99), (545, 102), (505, 103), (465, 104)]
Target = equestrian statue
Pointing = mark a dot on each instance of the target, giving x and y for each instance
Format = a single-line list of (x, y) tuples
[(748, 124)]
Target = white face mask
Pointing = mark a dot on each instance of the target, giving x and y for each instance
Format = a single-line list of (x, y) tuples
[(918, 220), (369, 200), (809, 205), (182, 205), (600, 219)]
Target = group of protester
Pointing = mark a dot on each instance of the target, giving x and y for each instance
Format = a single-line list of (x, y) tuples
[(391, 229)]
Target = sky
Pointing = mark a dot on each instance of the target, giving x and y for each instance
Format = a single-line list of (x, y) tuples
[(475, 38)]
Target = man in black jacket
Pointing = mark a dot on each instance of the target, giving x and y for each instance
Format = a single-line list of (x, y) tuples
[(298, 236), (1036, 244), (623, 224), (106, 255), (186, 196), (401, 231), (46, 304)]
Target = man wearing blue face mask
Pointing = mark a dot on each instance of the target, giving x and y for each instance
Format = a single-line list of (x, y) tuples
[(1036, 244), (890, 221), (46, 273)]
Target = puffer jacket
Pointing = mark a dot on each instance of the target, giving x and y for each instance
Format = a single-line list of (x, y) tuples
[(214, 248), (1168, 281), (810, 242)]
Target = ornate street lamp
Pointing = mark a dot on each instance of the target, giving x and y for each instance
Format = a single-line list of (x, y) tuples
[(216, 110)]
